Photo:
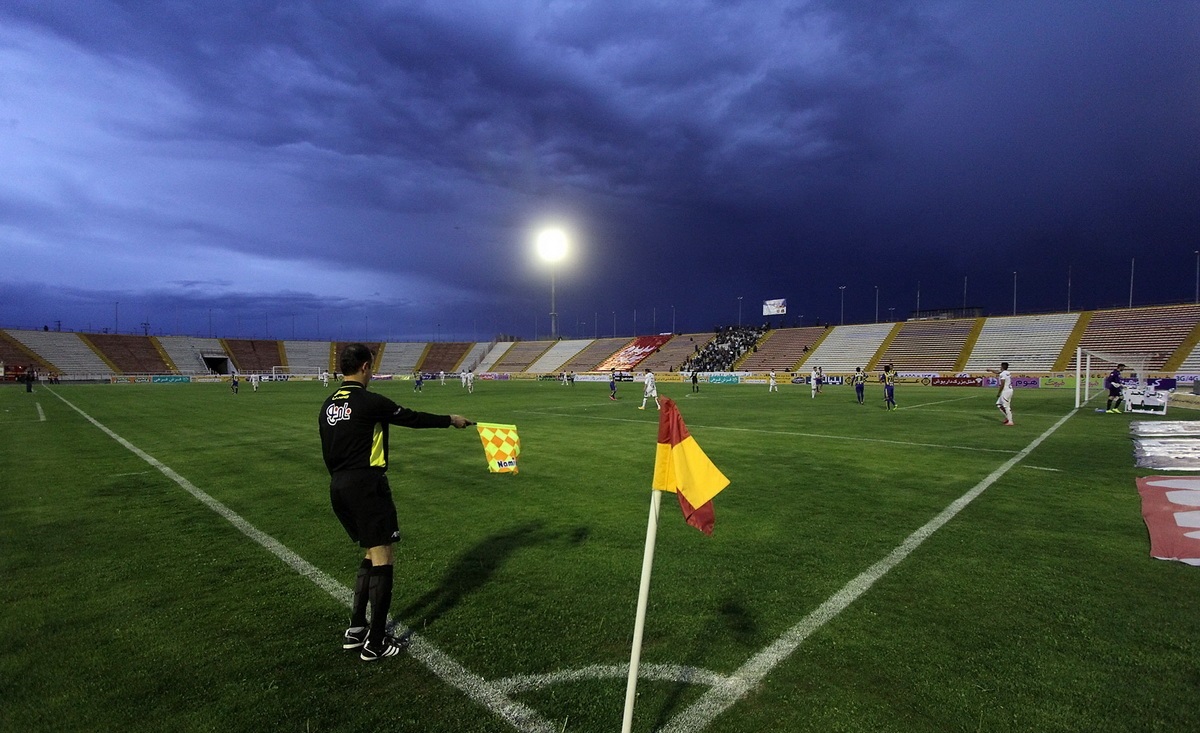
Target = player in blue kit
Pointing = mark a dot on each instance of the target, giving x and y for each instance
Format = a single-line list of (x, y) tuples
[(889, 387), (859, 380)]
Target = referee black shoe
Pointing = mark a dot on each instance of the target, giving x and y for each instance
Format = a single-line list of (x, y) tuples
[(354, 637), (389, 647)]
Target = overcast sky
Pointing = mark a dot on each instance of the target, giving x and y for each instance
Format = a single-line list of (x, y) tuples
[(379, 170)]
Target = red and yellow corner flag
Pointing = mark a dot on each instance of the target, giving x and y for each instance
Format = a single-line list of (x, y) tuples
[(501, 446), (680, 466)]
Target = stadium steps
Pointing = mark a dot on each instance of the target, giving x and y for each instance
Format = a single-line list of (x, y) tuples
[(873, 364), (333, 357), (14, 353), (600, 351), (103, 357), (972, 338), (1068, 350), (1176, 360), (162, 352), (495, 354), (812, 349)]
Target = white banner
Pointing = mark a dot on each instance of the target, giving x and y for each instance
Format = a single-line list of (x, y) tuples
[(776, 307)]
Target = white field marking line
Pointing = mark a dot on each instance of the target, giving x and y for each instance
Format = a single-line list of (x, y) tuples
[(722, 696), (938, 402), (659, 672), (778, 432), (475, 687), (131, 473), (1042, 468), (41, 413)]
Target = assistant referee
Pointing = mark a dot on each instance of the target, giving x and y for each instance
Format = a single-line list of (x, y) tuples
[(354, 441)]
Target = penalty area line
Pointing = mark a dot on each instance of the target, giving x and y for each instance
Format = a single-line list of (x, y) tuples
[(721, 697), (521, 717)]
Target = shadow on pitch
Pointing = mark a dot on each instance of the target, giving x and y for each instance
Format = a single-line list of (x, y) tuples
[(733, 619), (475, 568)]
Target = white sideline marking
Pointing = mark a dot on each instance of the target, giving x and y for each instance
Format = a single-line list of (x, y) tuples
[(660, 672), (41, 414), (475, 687), (821, 436), (1043, 468), (952, 399), (723, 695)]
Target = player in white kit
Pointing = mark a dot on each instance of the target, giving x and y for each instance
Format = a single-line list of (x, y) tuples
[(1004, 394), (772, 385), (651, 390)]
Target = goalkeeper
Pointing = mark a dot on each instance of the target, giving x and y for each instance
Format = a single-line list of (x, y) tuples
[(1114, 384), (354, 442)]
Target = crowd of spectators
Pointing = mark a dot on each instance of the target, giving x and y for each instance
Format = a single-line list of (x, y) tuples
[(726, 348)]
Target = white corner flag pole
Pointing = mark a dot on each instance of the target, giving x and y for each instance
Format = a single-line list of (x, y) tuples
[(639, 625)]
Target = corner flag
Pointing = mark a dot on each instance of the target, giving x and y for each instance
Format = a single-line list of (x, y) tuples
[(681, 467), (501, 446)]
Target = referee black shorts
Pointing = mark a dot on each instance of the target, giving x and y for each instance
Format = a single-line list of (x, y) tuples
[(362, 501)]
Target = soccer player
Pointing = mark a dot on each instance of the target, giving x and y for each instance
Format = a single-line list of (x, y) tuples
[(1114, 385), (772, 385), (612, 384), (233, 384), (814, 381), (889, 387), (254, 381), (470, 382), (418, 381), (650, 391), (859, 380), (1005, 393), (324, 377), (695, 381), (442, 377), (354, 443)]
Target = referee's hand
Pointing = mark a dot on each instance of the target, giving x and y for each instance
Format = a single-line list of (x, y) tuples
[(460, 422)]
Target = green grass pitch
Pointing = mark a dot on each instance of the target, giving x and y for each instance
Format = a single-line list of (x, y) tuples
[(130, 605)]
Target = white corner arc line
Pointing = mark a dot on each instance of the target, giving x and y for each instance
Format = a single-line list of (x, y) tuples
[(722, 696), (659, 672), (521, 717)]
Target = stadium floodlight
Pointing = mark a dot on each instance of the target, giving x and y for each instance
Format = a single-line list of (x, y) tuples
[(842, 318), (552, 247)]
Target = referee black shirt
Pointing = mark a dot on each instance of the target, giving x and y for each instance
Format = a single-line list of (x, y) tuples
[(354, 427)]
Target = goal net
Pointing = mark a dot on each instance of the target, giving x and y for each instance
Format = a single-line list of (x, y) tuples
[(1091, 367), (306, 371)]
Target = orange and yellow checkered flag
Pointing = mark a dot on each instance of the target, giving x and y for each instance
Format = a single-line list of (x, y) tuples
[(501, 446)]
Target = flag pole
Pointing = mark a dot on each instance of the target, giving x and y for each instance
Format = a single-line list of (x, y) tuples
[(639, 624)]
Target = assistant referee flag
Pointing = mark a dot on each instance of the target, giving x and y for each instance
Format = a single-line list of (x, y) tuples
[(680, 466)]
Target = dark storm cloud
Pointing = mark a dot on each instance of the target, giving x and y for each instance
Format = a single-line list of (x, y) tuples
[(699, 152)]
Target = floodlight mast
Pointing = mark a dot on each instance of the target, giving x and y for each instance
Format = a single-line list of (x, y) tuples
[(552, 247)]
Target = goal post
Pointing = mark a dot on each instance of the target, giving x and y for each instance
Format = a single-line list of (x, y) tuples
[(1088, 359)]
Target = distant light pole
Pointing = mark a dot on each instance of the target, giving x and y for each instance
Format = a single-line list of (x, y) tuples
[(614, 324), (672, 319), (1131, 259), (842, 319), (1014, 292), (739, 311), (552, 246), (877, 304), (595, 324), (964, 293), (1068, 288), (117, 317), (891, 317), (1197, 300), (918, 297)]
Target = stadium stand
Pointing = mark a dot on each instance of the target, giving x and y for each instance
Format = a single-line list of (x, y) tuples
[(188, 352), (16, 356), (671, 355), (782, 349), (253, 355), (401, 357), (1027, 343), (494, 355), (847, 347), (727, 346), (308, 355), (67, 353), (1154, 332), (444, 356), (130, 354), (557, 355), (928, 346), (588, 359), (521, 355), (474, 357)]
